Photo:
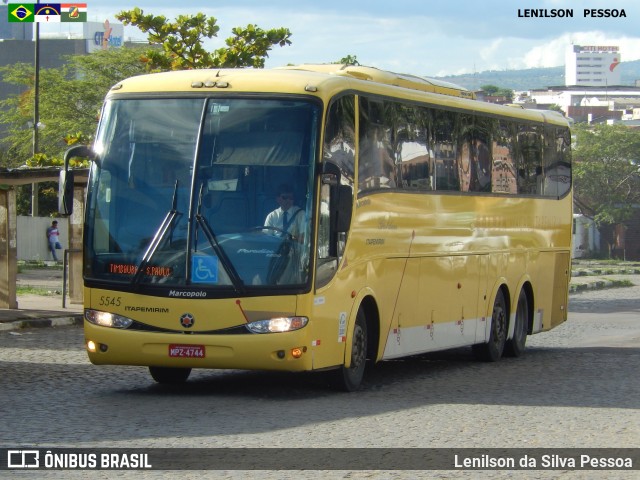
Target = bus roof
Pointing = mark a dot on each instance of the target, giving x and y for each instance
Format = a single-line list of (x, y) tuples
[(325, 80), (210, 78), (371, 74)]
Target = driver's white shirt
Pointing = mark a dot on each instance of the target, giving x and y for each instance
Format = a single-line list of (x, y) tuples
[(296, 226)]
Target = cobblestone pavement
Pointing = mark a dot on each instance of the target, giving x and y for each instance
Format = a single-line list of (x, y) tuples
[(576, 386)]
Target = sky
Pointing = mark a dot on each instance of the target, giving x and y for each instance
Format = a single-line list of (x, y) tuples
[(421, 37)]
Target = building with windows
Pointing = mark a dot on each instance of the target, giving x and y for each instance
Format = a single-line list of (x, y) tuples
[(592, 66)]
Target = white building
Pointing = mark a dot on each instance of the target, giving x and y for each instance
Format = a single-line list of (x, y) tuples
[(101, 36), (586, 237), (592, 65), (583, 97)]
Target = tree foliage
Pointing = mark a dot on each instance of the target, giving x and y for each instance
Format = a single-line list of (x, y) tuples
[(349, 60), (181, 42), (497, 91), (606, 172)]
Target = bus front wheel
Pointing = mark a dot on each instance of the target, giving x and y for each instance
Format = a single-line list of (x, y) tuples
[(171, 376), (491, 351), (349, 379)]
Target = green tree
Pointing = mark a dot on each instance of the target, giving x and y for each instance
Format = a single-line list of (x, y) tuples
[(606, 172), (490, 89), (181, 42), (498, 91), (349, 60)]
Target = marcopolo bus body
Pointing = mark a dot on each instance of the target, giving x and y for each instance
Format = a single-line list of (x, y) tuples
[(429, 221)]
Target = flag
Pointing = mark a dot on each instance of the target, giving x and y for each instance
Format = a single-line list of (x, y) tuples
[(47, 12), (73, 12), (20, 12)]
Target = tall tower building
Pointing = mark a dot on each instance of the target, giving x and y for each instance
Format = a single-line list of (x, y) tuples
[(592, 65)]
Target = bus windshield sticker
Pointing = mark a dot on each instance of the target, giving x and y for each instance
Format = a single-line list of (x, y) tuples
[(204, 269)]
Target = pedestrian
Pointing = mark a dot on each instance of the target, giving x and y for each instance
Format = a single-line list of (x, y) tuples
[(53, 239)]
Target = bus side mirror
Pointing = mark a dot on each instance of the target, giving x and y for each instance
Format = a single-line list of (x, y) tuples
[(65, 184), (65, 192), (342, 197), (344, 208), (330, 174)]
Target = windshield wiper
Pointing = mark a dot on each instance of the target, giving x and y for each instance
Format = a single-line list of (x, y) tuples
[(161, 232), (236, 281)]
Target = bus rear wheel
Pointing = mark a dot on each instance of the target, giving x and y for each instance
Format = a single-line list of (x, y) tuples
[(169, 376), (515, 346), (492, 350), (350, 379)]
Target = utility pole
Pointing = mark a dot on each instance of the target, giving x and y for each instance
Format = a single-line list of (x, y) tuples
[(36, 114)]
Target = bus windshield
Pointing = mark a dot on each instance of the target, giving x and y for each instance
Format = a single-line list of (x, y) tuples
[(183, 188)]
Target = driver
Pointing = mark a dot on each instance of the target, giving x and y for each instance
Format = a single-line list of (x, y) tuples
[(287, 217)]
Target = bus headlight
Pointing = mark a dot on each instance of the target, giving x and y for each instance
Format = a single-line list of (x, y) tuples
[(105, 319), (278, 325)]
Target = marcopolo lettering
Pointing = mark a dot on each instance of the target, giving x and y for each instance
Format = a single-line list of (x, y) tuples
[(187, 294)]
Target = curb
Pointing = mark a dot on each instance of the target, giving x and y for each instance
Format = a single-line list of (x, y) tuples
[(75, 320), (587, 272), (596, 285)]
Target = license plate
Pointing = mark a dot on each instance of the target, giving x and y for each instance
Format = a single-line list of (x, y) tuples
[(186, 351)]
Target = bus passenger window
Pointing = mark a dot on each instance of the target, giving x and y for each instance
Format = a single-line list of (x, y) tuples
[(376, 168), (504, 176), (530, 162), (447, 175)]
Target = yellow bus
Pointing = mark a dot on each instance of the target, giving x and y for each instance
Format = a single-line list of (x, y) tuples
[(424, 220)]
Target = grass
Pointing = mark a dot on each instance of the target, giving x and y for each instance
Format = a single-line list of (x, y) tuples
[(601, 285), (30, 290), (37, 265)]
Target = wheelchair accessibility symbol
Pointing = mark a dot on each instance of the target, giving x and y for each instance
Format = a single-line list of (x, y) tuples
[(204, 269)]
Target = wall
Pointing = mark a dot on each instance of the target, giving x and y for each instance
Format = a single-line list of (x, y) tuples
[(32, 237), (586, 237)]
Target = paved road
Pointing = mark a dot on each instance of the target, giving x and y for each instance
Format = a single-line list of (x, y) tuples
[(576, 386)]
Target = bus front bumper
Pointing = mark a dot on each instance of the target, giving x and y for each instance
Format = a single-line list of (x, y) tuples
[(289, 351)]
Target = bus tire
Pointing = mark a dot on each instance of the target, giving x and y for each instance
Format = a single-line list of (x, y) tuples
[(492, 350), (169, 376), (350, 379), (515, 345)]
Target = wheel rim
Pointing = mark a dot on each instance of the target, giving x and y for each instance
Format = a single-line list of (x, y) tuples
[(499, 323), (358, 349)]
